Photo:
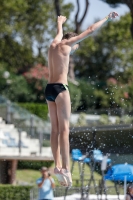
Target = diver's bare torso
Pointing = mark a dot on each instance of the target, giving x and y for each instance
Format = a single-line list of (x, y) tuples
[(58, 62)]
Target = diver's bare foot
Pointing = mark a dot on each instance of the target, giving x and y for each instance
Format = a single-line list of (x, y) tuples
[(61, 178), (68, 176)]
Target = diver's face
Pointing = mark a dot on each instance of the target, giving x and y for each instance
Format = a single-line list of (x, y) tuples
[(74, 48)]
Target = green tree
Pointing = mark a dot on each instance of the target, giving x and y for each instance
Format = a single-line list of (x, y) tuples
[(16, 89), (129, 3), (111, 96), (75, 94), (107, 53), (37, 78), (81, 120), (87, 95), (25, 26), (18, 57)]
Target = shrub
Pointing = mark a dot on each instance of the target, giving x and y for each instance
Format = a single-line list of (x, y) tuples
[(16, 88), (36, 165), (46, 143), (39, 109), (126, 119), (87, 95), (82, 119), (75, 95), (15, 192), (104, 119)]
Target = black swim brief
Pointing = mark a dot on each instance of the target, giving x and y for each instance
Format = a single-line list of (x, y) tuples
[(53, 89)]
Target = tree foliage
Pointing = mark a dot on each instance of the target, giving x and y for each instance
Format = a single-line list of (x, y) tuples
[(129, 3), (26, 26), (37, 78), (75, 94), (108, 54), (87, 94), (15, 87), (14, 192)]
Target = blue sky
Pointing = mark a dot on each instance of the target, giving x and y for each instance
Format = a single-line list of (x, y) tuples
[(97, 9)]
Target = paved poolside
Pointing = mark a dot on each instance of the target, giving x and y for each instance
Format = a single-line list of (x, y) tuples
[(91, 197)]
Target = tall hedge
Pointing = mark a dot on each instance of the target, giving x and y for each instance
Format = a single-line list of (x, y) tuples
[(9, 192), (88, 98), (75, 94), (36, 165), (41, 110)]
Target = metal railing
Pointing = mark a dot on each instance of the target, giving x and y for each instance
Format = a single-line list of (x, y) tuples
[(60, 191), (110, 111), (22, 119)]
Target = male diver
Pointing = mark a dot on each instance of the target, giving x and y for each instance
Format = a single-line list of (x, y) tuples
[(57, 94)]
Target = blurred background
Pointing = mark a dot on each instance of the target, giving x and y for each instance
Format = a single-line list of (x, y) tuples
[(100, 82)]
